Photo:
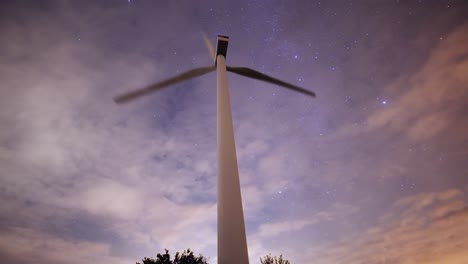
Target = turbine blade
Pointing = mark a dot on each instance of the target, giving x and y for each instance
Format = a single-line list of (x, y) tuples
[(123, 98), (210, 47), (247, 72)]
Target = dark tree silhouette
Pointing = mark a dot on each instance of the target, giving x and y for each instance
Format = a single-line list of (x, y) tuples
[(268, 259), (185, 257)]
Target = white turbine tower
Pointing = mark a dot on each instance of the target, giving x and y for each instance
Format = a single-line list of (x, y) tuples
[(232, 242)]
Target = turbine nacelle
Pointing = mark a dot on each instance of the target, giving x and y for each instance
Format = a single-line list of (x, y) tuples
[(221, 48)]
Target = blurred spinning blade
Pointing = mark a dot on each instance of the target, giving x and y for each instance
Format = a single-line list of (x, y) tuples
[(247, 72), (210, 47), (124, 98)]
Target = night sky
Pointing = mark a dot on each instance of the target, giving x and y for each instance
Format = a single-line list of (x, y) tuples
[(373, 170)]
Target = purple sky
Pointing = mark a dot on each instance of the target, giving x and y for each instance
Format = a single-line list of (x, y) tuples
[(374, 170)]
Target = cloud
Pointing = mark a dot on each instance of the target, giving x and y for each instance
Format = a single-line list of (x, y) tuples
[(429, 229), (336, 212), (29, 246), (428, 102), (111, 198), (421, 201), (446, 209), (431, 98), (274, 229), (71, 154)]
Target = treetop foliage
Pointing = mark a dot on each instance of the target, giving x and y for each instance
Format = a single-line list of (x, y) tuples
[(186, 257), (268, 259)]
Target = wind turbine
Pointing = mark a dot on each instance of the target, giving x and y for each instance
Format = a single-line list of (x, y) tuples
[(232, 242)]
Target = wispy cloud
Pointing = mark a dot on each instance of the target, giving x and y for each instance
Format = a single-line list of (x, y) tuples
[(431, 99), (26, 246), (435, 235)]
